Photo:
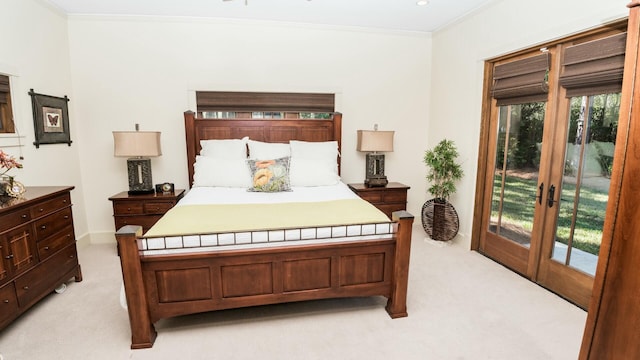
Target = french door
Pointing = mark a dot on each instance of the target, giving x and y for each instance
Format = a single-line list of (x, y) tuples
[(547, 180), (549, 127)]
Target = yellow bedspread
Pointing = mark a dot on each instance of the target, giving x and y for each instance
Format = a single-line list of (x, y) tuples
[(206, 219)]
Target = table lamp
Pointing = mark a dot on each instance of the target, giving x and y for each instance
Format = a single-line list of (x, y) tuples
[(138, 146), (373, 142)]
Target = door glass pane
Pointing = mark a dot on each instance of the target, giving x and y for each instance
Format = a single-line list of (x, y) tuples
[(516, 173), (593, 124)]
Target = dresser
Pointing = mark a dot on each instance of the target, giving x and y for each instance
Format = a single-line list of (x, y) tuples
[(144, 210), (38, 248), (388, 199)]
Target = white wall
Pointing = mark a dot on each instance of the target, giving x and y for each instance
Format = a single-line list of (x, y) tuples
[(35, 53), (459, 52), (145, 70)]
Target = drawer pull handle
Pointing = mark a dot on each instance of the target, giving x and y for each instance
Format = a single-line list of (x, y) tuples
[(43, 227), (41, 209), (64, 201), (26, 288), (66, 217), (6, 301), (8, 257), (24, 216), (46, 248)]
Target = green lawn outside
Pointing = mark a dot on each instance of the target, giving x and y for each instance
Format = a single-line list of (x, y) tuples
[(519, 198)]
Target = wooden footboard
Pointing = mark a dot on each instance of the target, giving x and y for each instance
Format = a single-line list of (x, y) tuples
[(162, 286)]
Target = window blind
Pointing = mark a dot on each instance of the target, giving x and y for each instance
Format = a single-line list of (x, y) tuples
[(521, 81), (4, 89), (594, 67), (263, 101)]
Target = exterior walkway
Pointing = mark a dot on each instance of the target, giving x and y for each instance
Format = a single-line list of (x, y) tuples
[(580, 260)]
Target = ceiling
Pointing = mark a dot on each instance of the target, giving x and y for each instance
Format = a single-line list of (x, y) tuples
[(381, 14)]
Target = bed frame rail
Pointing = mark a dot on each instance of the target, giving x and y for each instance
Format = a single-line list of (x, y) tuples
[(162, 286)]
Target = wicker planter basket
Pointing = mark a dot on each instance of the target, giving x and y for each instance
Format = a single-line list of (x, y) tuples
[(440, 219)]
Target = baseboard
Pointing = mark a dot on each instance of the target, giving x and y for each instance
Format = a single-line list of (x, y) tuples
[(107, 237)]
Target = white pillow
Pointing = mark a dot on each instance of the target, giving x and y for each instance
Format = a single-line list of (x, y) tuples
[(225, 148), (211, 171), (314, 163), (259, 150)]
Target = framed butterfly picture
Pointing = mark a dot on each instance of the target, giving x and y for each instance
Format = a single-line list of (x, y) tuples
[(50, 119)]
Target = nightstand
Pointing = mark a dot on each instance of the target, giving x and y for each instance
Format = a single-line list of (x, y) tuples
[(143, 210), (388, 199)]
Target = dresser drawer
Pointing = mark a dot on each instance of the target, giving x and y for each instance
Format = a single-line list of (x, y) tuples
[(8, 304), (49, 206), (157, 207), (54, 243), (41, 280), (128, 208), (14, 219), (53, 223)]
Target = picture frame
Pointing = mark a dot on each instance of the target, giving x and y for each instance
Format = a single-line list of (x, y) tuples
[(50, 119)]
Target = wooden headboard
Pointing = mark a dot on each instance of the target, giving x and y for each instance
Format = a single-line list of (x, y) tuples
[(267, 130)]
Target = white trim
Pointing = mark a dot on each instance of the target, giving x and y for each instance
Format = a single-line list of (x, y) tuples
[(243, 22)]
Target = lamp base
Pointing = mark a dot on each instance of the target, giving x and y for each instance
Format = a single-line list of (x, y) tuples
[(374, 176), (379, 181), (140, 181)]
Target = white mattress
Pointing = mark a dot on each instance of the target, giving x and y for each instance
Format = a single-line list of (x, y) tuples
[(259, 239)]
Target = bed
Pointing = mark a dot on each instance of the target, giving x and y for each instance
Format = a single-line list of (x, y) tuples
[(340, 247)]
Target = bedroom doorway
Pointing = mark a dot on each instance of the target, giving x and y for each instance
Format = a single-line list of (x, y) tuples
[(545, 162)]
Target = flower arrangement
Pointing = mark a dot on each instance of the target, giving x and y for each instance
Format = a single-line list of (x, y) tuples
[(8, 186), (8, 162)]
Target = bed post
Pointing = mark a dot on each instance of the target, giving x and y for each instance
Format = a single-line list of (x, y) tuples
[(337, 136), (193, 150), (143, 334), (397, 303)]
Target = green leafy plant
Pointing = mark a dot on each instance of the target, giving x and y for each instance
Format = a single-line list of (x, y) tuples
[(443, 170)]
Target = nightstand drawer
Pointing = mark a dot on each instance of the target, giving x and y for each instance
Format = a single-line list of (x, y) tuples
[(372, 197), (389, 209), (395, 196), (157, 207), (128, 208), (145, 221), (388, 199), (143, 210)]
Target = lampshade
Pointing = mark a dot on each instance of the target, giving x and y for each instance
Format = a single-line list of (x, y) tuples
[(136, 143), (369, 140)]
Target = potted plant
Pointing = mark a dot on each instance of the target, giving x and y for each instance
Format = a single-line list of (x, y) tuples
[(439, 217)]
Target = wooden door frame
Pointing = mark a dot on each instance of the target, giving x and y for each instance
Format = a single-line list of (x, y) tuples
[(557, 108), (612, 321)]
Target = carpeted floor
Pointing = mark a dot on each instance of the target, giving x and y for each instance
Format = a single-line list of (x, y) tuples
[(461, 306)]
